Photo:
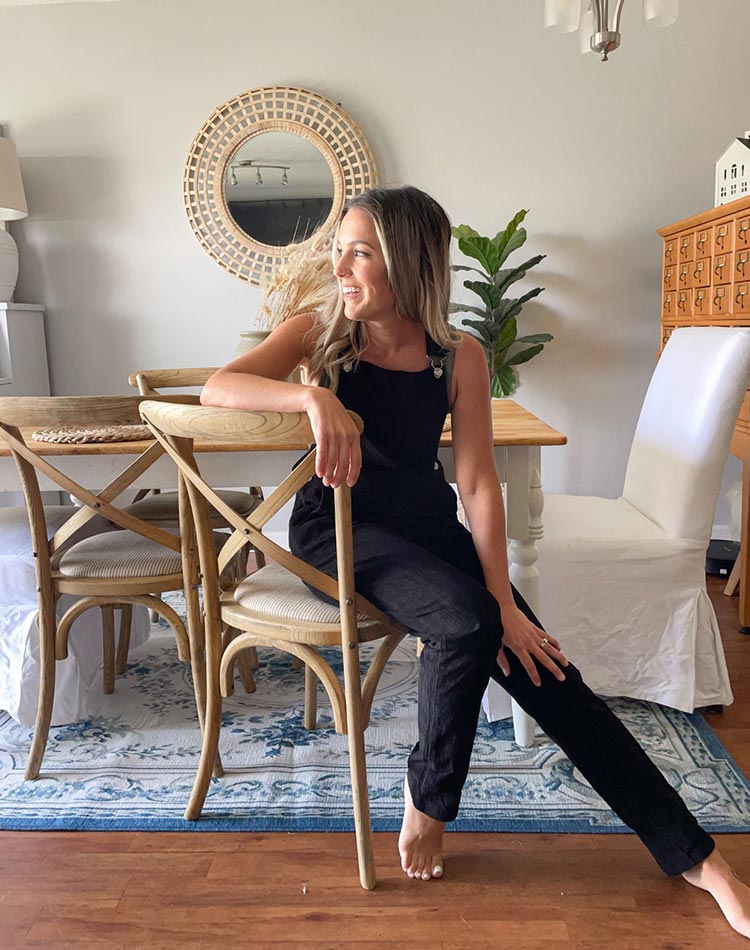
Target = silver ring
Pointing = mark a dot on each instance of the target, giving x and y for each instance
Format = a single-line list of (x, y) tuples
[(544, 643)]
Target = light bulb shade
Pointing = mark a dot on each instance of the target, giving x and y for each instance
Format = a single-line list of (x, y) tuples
[(12, 197), (562, 16), (586, 31), (660, 12)]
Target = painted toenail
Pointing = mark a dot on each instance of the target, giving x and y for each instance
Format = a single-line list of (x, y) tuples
[(437, 869)]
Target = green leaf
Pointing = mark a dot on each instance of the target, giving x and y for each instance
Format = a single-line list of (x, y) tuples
[(467, 308), (488, 292), (482, 328), (504, 278), (464, 231), (481, 249), (535, 338), (502, 238), (525, 355), (515, 241), (457, 267), (507, 335), (512, 307), (503, 381)]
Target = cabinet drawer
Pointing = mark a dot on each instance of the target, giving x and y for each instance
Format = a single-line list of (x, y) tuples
[(742, 265), (702, 301), (702, 272), (670, 278), (684, 303), (743, 231), (742, 297), (721, 299), (685, 276), (670, 252), (703, 243), (721, 269), (723, 235), (686, 247), (669, 305)]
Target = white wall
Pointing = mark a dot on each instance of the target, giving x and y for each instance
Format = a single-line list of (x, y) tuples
[(474, 102)]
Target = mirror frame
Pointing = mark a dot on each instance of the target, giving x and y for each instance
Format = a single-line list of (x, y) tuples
[(268, 109)]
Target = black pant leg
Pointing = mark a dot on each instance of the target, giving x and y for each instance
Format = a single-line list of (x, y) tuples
[(614, 764), (458, 621)]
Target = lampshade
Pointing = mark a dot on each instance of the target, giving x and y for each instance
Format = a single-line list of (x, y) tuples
[(562, 16), (12, 197), (660, 12)]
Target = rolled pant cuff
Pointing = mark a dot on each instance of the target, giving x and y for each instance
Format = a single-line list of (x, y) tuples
[(677, 864)]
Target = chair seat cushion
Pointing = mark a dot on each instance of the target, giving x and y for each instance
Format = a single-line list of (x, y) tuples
[(276, 592), (568, 517), (122, 554), (164, 506)]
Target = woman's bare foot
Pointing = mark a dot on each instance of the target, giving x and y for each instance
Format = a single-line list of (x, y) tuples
[(420, 843), (733, 897)]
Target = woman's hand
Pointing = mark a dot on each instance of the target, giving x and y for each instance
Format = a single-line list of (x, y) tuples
[(531, 645), (338, 456)]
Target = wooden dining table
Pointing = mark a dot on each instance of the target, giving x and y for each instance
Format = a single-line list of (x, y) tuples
[(517, 435)]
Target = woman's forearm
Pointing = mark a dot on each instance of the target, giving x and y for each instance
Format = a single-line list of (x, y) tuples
[(485, 513), (231, 390)]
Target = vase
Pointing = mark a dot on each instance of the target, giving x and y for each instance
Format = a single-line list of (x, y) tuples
[(249, 339)]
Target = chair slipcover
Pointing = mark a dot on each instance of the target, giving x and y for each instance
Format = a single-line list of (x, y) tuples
[(622, 581), (78, 683)]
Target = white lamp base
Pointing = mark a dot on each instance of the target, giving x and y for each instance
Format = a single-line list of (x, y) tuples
[(8, 266)]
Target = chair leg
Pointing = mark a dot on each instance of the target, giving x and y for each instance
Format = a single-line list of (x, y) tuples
[(211, 729), (245, 666), (123, 641), (357, 765), (47, 624), (108, 645), (311, 699), (361, 805), (253, 657), (198, 661), (733, 581), (297, 664)]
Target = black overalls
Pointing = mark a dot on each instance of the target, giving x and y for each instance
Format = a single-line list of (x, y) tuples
[(415, 561)]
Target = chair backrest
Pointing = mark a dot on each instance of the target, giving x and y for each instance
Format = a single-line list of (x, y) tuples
[(682, 439), (19, 413), (149, 382), (177, 426)]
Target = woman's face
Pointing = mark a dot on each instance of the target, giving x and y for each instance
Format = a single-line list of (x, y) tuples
[(360, 270)]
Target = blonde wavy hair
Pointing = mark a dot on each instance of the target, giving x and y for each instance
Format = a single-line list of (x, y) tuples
[(414, 234)]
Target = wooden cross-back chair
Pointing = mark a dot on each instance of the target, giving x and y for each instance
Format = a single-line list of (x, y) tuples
[(273, 606), (163, 507), (122, 568)]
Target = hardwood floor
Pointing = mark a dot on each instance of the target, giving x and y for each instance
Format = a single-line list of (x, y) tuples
[(527, 892)]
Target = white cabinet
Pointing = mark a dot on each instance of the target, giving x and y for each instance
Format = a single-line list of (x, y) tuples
[(23, 351)]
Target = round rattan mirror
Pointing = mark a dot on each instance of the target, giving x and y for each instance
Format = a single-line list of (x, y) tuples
[(269, 170)]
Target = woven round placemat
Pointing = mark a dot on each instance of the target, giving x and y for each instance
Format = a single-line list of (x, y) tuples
[(123, 433)]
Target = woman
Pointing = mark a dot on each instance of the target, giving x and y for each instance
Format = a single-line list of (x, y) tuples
[(382, 348)]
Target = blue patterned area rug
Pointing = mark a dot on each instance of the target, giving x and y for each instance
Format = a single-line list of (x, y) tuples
[(130, 766)]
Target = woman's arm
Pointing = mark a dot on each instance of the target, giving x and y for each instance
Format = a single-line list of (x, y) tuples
[(482, 499), (257, 380)]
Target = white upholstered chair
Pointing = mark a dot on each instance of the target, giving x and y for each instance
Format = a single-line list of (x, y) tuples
[(623, 582)]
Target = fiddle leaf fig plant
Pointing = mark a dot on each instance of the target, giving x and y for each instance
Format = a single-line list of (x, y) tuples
[(497, 326)]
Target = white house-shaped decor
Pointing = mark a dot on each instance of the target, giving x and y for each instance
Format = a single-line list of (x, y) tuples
[(733, 172)]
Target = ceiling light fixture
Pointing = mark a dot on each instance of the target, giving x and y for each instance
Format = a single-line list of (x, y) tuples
[(592, 20)]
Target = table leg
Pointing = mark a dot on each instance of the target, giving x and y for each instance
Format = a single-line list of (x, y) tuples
[(524, 503)]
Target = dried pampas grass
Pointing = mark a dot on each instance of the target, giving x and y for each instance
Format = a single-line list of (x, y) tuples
[(303, 284)]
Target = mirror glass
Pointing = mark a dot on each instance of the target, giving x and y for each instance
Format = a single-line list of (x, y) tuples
[(278, 188)]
